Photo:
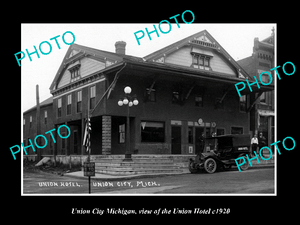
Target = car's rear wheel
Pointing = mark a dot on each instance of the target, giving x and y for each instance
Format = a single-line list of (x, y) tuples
[(210, 165), (192, 167)]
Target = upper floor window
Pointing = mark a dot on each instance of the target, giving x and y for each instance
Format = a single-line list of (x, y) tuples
[(176, 97), (201, 61), (30, 121), (75, 72), (92, 96), (265, 79), (69, 104), (150, 95), (79, 100), (199, 100), (45, 116), (59, 107)]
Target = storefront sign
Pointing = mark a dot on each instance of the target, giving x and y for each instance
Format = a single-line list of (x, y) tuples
[(200, 121), (265, 112)]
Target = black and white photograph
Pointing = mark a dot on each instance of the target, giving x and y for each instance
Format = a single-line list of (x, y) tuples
[(171, 108)]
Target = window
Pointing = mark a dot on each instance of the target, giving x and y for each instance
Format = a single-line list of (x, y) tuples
[(24, 122), (152, 131), (92, 96), (177, 94), (201, 62), (150, 95), (243, 103), (30, 121), (69, 104), (79, 100), (264, 79), (199, 101), (237, 130), (45, 116), (75, 72), (175, 97), (59, 107)]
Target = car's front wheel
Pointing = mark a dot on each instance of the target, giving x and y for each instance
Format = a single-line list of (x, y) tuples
[(244, 166), (210, 165)]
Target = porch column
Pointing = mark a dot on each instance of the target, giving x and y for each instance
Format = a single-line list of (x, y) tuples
[(106, 135)]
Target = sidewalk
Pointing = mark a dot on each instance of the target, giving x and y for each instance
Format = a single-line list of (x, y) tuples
[(107, 177)]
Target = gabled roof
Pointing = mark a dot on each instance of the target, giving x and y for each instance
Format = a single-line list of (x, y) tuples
[(82, 51), (198, 37), (77, 51)]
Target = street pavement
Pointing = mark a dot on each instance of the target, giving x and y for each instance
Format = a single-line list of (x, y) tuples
[(256, 180)]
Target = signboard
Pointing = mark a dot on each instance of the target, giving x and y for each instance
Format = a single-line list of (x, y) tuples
[(200, 121), (89, 169)]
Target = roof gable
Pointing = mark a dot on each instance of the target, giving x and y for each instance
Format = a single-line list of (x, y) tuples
[(200, 43), (98, 60)]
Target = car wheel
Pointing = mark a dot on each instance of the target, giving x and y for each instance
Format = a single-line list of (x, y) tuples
[(245, 166), (210, 165), (192, 167)]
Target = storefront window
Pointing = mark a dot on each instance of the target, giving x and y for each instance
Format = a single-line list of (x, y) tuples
[(152, 131)]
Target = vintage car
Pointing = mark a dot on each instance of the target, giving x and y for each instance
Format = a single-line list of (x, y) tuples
[(221, 152)]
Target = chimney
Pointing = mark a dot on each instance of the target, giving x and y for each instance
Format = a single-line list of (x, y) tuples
[(120, 47)]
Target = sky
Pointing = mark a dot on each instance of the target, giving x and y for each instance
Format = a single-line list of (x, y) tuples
[(236, 39)]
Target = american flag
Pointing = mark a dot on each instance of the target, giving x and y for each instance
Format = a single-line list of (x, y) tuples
[(87, 131)]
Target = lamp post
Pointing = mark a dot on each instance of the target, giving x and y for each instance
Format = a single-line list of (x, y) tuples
[(128, 101)]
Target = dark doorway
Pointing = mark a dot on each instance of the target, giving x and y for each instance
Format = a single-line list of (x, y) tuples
[(176, 140), (199, 136)]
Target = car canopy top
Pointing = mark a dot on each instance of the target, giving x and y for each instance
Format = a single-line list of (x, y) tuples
[(232, 140)]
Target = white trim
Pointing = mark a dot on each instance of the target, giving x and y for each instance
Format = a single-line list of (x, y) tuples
[(86, 85)]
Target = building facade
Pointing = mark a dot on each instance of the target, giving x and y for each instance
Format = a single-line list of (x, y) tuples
[(262, 114), (186, 91), (46, 124)]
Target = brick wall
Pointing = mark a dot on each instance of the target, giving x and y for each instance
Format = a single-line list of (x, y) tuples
[(106, 135)]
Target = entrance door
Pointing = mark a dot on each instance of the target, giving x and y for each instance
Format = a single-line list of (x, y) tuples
[(176, 140), (199, 136)]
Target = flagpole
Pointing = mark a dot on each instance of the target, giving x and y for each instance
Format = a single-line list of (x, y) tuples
[(89, 147), (88, 116)]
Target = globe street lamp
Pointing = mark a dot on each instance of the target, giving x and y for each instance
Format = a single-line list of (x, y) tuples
[(128, 101)]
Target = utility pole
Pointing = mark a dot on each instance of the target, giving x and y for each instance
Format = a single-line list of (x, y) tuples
[(38, 122)]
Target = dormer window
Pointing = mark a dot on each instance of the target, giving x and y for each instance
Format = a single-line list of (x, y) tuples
[(75, 72), (201, 58), (201, 62)]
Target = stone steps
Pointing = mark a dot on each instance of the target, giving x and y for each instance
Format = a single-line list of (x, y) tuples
[(141, 164)]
